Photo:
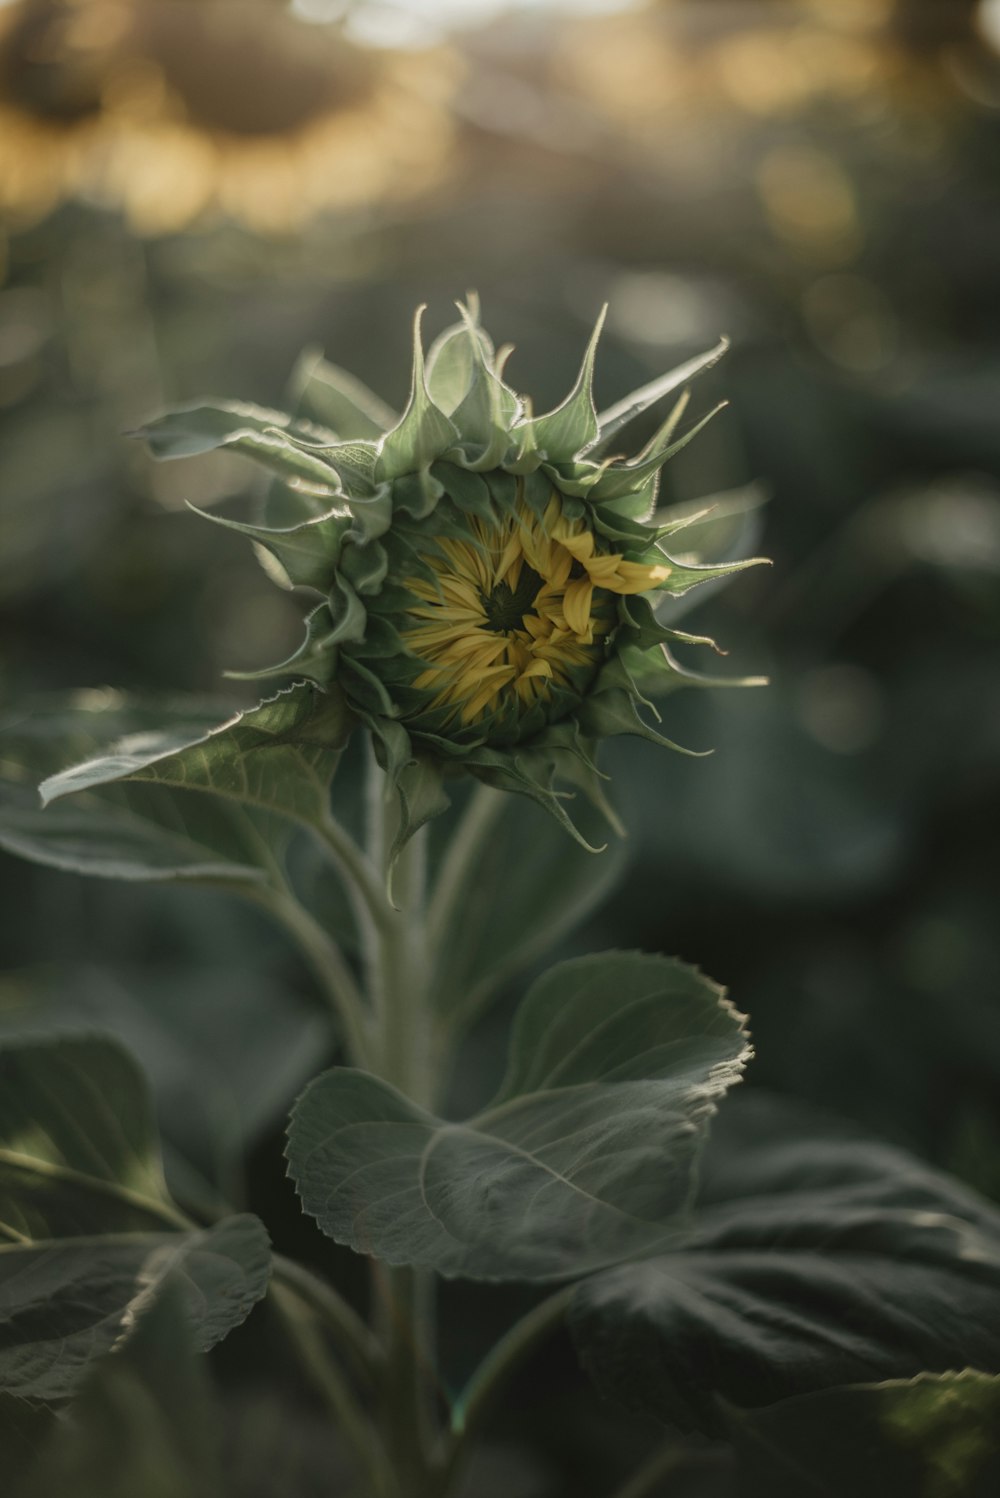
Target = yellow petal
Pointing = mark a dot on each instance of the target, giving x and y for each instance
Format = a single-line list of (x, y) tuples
[(576, 604)]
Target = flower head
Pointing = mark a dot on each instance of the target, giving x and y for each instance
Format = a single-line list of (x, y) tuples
[(488, 577)]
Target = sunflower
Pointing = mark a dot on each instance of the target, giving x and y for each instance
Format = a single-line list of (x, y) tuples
[(486, 577), (176, 109), (515, 614)]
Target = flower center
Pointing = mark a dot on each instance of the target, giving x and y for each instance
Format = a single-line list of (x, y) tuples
[(506, 607), (514, 617)]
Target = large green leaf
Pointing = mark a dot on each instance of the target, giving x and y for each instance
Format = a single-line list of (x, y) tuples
[(144, 1425), (25, 1430), (586, 1156), (934, 1436), (131, 816), (124, 831), (88, 1228), (819, 1258), (78, 1150), (66, 1302), (279, 756)]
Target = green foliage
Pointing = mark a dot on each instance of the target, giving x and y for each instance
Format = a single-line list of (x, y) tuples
[(532, 886), (586, 1156), (270, 437), (88, 1227), (276, 760), (812, 1261), (77, 1140), (224, 1047), (144, 832), (817, 1258), (143, 1423), (934, 1436), (279, 756)]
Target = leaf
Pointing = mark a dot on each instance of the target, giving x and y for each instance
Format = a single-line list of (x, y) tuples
[(24, 1432), (67, 1302), (621, 479), (188, 431), (120, 831), (296, 556), (78, 1150), (423, 433), (562, 433), (819, 1258), (585, 1157), (622, 412), (128, 837), (453, 361), (934, 1436), (339, 400), (464, 382), (420, 796), (144, 1423), (719, 528), (532, 886), (279, 756), (88, 1228), (225, 1048)]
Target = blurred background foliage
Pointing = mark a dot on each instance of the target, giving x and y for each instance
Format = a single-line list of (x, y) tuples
[(194, 190)]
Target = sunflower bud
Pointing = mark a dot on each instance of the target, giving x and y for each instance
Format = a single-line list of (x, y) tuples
[(488, 577)]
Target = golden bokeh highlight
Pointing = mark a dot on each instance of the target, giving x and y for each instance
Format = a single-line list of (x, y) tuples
[(177, 110)]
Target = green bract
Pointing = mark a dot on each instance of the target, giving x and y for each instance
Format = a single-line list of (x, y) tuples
[(486, 577)]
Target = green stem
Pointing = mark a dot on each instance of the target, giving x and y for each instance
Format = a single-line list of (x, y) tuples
[(360, 874), (664, 1460), (401, 982), (397, 961), (490, 1379), (405, 1309), (162, 1212), (351, 1420), (398, 969), (464, 849), (326, 960), (350, 1333), (321, 951)]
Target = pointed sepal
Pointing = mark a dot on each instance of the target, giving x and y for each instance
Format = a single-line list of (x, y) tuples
[(423, 433), (562, 433)]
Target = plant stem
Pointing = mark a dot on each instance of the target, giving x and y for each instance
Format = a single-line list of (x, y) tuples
[(351, 1420), (398, 969), (405, 1308), (351, 1334), (161, 1212), (401, 981), (360, 874), (478, 819), (397, 955), (490, 1378), (662, 1462), (327, 962)]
